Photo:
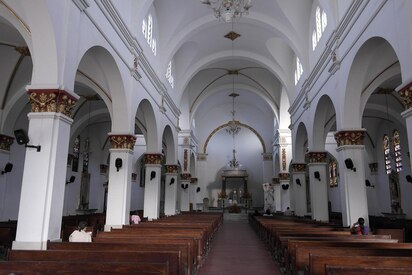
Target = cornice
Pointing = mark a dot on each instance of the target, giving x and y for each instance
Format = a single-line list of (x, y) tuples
[(81, 4)]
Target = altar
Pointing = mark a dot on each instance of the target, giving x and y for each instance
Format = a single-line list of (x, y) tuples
[(234, 191)]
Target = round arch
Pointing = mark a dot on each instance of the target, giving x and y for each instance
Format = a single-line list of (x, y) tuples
[(226, 125), (324, 120), (300, 144), (168, 139), (146, 115)]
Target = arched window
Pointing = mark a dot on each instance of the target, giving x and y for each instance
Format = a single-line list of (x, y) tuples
[(298, 70), (387, 153), (169, 74), (333, 173), (397, 150), (147, 30), (321, 21)]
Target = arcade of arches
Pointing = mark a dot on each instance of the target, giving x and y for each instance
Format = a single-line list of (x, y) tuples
[(124, 105)]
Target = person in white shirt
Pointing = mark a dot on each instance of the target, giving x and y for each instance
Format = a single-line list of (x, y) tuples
[(81, 235)]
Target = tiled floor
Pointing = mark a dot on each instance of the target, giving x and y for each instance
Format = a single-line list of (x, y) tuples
[(237, 250)]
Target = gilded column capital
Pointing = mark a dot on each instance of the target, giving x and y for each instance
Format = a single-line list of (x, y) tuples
[(51, 100), (349, 137), (284, 176), (267, 156), (171, 168), (6, 142), (406, 95), (193, 180), (154, 158), (298, 167), (122, 141), (315, 157), (201, 157), (275, 180), (185, 176)]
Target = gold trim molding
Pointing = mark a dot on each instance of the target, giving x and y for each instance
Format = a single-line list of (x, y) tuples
[(6, 142), (51, 100), (122, 141), (352, 137)]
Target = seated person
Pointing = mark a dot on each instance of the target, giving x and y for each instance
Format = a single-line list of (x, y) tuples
[(288, 212), (256, 213), (359, 227), (81, 235), (135, 219), (267, 213)]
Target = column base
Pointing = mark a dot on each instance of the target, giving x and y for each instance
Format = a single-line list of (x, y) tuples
[(108, 227), (18, 245)]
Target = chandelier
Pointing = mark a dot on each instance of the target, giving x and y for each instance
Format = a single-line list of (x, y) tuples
[(233, 128), (228, 10)]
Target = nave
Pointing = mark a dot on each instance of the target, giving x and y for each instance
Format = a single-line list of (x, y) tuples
[(237, 249)]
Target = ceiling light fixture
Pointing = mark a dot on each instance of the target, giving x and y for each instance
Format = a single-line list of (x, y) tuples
[(228, 10)]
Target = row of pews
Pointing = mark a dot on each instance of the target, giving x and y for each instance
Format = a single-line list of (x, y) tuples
[(171, 245), (303, 246)]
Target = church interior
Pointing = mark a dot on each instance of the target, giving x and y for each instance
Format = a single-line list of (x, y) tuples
[(202, 114)]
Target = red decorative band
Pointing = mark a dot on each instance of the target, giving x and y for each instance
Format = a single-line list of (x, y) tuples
[(298, 167), (354, 137), (185, 176), (317, 157), (51, 100), (193, 180), (122, 141), (275, 180), (284, 176), (153, 158), (171, 169)]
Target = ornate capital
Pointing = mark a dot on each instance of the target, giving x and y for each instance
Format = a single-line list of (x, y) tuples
[(267, 156), (51, 100), (201, 157), (153, 158), (284, 176), (353, 137), (275, 181), (185, 176), (122, 141), (317, 157), (373, 167), (6, 142), (298, 167), (406, 95), (171, 169), (193, 180)]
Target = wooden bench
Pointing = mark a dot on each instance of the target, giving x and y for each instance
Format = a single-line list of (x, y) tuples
[(303, 254), (172, 258), (183, 248), (317, 265), (71, 267), (352, 270)]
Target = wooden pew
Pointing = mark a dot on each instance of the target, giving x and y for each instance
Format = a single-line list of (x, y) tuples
[(172, 258), (70, 267), (317, 265), (352, 270), (303, 254), (182, 247)]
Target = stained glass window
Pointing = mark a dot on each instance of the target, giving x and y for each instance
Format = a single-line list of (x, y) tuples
[(321, 21), (147, 30), (333, 173), (387, 153), (397, 150)]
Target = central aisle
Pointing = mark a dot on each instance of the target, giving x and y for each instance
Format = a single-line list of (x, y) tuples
[(236, 250)]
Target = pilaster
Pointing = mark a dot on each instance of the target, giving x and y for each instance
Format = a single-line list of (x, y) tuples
[(171, 185), (153, 166), (299, 189)]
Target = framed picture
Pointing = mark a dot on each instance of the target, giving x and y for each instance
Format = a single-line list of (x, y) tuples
[(134, 176)]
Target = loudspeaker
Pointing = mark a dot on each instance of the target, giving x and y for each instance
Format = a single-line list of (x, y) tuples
[(408, 178), (368, 183), (172, 180), (21, 136), (198, 190), (285, 186), (349, 164), (72, 179), (298, 182), (118, 163), (317, 175), (7, 168), (152, 175)]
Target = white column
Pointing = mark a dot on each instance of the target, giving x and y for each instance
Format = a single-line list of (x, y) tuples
[(267, 167), (171, 186), (120, 171), (184, 192), (5, 142), (277, 194), (43, 184), (318, 186), (192, 193), (201, 172), (299, 189), (406, 94), (284, 180), (152, 186), (352, 181)]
